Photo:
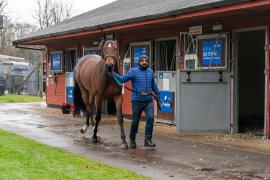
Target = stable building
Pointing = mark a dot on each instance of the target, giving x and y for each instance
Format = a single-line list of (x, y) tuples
[(211, 58)]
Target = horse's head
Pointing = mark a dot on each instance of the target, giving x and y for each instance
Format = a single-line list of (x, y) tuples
[(110, 52)]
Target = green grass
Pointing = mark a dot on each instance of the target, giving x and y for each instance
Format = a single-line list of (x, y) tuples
[(11, 98), (21, 158)]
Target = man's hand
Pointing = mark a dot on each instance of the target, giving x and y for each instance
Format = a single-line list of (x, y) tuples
[(110, 74), (159, 102), (157, 97)]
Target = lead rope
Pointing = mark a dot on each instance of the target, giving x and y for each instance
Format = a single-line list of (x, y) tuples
[(159, 102)]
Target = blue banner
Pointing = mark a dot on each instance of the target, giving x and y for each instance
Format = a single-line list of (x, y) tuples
[(138, 51), (70, 94), (167, 101), (56, 62), (211, 50)]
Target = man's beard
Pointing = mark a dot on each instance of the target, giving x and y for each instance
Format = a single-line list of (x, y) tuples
[(143, 67)]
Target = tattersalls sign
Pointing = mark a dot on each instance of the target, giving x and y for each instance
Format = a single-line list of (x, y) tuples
[(195, 30)]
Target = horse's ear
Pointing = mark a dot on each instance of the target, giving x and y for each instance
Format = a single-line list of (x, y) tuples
[(104, 36), (113, 37)]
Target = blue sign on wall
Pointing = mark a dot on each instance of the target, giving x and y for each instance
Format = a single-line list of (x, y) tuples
[(138, 51), (70, 79), (56, 64), (167, 101), (70, 94), (211, 50)]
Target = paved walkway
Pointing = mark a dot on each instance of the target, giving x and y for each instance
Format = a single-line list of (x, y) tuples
[(184, 156)]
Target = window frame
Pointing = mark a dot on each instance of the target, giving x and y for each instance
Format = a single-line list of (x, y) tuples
[(224, 51), (61, 62)]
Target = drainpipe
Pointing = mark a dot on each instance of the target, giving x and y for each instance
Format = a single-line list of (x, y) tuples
[(267, 49)]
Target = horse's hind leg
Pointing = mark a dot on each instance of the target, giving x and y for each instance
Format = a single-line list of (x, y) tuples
[(98, 102), (118, 104)]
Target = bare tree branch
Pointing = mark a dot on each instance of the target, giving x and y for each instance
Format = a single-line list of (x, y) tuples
[(50, 12), (3, 4)]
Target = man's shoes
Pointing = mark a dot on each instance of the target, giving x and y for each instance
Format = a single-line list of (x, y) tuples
[(132, 144), (149, 144)]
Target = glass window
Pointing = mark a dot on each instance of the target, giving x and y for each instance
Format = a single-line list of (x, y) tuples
[(91, 51), (56, 61), (212, 51)]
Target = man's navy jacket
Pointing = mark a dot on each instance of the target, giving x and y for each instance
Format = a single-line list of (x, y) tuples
[(142, 81)]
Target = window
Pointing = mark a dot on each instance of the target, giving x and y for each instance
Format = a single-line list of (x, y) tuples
[(138, 49), (188, 51), (70, 57), (212, 51), (91, 51), (127, 60), (166, 55), (56, 63), (204, 51)]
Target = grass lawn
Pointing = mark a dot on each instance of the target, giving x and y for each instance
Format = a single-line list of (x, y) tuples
[(12, 98), (21, 158)]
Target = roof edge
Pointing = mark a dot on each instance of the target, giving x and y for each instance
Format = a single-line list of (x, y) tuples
[(161, 15)]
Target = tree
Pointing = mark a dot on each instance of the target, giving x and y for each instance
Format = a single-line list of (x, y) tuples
[(6, 36), (50, 12), (21, 29), (61, 11), (3, 4), (11, 32)]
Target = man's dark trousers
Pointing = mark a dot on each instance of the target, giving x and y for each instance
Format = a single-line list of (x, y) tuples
[(137, 108)]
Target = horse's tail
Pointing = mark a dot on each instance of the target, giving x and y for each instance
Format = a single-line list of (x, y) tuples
[(77, 98)]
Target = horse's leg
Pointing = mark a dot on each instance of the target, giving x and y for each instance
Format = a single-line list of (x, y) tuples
[(118, 104), (91, 103), (85, 127), (98, 103), (87, 100)]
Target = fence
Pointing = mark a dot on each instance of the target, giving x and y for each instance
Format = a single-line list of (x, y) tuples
[(15, 83)]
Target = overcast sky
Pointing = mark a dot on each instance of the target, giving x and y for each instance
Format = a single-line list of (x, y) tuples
[(23, 10)]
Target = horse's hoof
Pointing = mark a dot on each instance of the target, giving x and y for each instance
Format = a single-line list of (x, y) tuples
[(124, 146), (82, 131), (99, 139), (94, 140)]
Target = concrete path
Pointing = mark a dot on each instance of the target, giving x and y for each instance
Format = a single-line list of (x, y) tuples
[(173, 158)]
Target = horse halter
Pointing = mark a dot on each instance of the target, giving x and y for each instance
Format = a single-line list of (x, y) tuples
[(109, 45)]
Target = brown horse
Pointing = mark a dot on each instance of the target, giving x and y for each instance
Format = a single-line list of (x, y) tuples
[(93, 85)]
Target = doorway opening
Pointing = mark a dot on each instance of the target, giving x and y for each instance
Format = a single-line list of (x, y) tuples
[(251, 81), (166, 55), (70, 56)]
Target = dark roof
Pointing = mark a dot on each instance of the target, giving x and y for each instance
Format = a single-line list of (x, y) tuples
[(125, 11)]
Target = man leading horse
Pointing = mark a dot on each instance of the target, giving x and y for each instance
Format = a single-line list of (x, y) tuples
[(143, 84), (95, 82), (93, 85)]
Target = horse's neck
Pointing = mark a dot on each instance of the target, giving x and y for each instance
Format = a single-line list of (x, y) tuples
[(101, 68), (101, 74)]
